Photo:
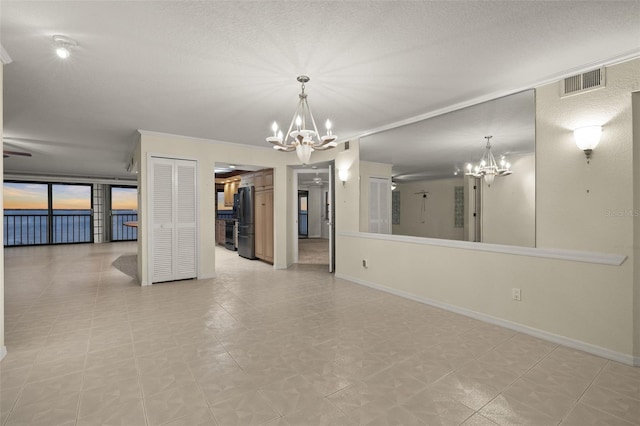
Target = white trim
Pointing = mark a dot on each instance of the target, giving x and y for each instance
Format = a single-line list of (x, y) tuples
[(613, 60), (535, 332), (548, 253), (69, 179), (4, 56), (202, 140), (3, 352)]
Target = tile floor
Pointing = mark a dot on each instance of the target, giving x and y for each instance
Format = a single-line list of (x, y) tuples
[(88, 346)]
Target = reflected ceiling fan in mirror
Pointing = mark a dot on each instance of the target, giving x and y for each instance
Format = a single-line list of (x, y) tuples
[(7, 142), (318, 180), (6, 153)]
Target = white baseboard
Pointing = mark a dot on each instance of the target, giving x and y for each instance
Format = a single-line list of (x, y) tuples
[(3, 352), (535, 332)]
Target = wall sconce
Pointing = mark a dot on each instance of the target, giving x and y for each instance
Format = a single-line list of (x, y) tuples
[(587, 138), (343, 175)]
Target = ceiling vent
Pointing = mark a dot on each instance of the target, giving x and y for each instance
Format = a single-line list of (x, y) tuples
[(584, 82)]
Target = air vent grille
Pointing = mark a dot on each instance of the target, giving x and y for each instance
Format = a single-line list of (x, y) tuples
[(584, 82)]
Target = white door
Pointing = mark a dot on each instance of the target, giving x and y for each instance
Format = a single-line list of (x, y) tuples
[(379, 205), (173, 202)]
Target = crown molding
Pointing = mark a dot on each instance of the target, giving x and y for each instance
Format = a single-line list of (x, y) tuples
[(4, 56)]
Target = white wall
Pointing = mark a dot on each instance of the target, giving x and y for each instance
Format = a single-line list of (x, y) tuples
[(3, 349), (636, 219), (508, 205), (439, 218), (587, 305)]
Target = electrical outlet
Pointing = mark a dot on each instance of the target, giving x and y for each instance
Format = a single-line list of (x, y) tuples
[(515, 293), (365, 263)]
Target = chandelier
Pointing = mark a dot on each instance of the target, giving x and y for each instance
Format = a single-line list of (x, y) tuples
[(304, 141), (488, 167)]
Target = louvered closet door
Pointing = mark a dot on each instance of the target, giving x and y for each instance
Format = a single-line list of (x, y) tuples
[(379, 205), (173, 246), (163, 218), (185, 259)]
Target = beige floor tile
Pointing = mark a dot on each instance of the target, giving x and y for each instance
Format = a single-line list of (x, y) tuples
[(8, 398), (359, 398), (478, 420), (510, 412), (126, 412), (13, 378), (56, 409), (109, 357), (47, 390), (468, 391), (612, 402), (248, 409), (620, 378), (322, 414), (199, 417), (166, 377), (105, 398), (173, 404), (583, 415), (291, 394), (98, 377), (435, 408), (541, 397)]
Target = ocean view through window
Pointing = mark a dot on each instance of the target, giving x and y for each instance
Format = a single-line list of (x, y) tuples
[(45, 213), (124, 210)]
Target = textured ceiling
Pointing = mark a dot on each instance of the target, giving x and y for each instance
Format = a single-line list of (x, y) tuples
[(226, 70)]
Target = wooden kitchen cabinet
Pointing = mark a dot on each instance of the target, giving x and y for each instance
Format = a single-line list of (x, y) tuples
[(230, 188), (264, 225)]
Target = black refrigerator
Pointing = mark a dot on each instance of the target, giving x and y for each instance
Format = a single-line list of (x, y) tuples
[(246, 222)]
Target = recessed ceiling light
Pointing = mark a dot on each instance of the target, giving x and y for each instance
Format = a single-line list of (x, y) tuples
[(232, 166), (64, 46)]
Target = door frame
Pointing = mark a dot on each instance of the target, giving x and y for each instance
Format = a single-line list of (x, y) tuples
[(294, 200), (302, 193)]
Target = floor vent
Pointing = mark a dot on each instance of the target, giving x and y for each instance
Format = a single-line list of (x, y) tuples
[(584, 82)]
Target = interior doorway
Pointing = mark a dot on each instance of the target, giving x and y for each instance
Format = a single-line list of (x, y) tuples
[(314, 219), (303, 214)]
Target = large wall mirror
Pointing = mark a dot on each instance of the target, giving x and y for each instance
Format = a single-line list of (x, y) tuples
[(435, 197)]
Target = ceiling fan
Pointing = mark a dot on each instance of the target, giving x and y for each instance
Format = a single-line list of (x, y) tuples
[(318, 180), (6, 154)]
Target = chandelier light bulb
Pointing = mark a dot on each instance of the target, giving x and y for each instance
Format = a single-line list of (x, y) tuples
[(469, 167), (298, 122), (328, 125), (274, 127)]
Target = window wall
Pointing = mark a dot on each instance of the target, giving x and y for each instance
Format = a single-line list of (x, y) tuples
[(47, 213)]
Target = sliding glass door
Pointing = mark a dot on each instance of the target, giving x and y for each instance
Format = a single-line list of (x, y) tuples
[(46, 213)]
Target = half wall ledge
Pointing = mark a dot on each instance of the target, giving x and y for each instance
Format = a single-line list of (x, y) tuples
[(558, 254)]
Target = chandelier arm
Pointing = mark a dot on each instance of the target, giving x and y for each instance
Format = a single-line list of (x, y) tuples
[(313, 121), (293, 120)]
